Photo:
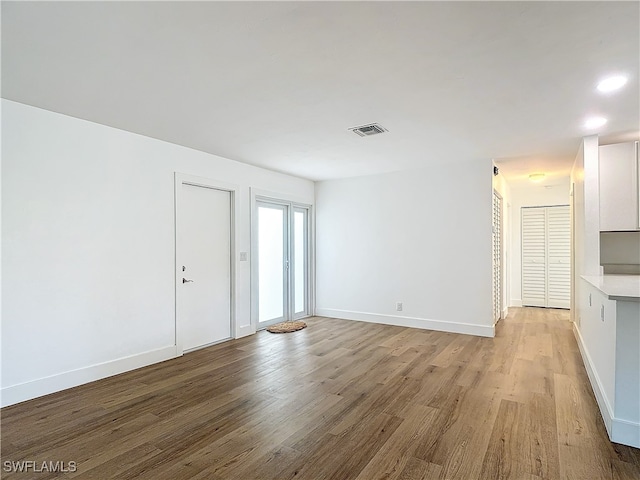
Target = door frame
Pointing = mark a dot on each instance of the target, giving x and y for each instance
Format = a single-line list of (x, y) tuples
[(185, 179), (308, 311), (292, 202)]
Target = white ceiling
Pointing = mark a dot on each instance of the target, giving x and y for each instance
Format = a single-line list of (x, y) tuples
[(278, 84)]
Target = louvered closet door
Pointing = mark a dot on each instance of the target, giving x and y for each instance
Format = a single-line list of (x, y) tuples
[(558, 257), (534, 252), (497, 257), (546, 256)]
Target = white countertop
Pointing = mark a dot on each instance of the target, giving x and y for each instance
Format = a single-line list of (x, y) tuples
[(617, 287)]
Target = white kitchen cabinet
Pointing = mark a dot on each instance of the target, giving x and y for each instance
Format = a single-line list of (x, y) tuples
[(608, 333), (619, 194)]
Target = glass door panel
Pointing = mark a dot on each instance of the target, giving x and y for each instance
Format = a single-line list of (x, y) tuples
[(272, 262), (300, 255)]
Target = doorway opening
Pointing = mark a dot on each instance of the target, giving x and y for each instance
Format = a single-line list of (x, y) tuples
[(281, 261)]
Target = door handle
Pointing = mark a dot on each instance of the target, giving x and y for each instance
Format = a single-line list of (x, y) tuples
[(184, 280)]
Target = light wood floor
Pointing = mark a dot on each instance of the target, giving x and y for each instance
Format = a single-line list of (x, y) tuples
[(341, 400)]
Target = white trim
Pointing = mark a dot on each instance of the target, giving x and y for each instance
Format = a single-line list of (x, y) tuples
[(244, 330), (516, 302), (413, 322), (625, 432), (55, 383), (596, 385), (307, 261), (312, 260), (277, 197), (206, 345), (180, 179)]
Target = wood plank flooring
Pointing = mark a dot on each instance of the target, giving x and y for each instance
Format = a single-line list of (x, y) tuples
[(339, 400)]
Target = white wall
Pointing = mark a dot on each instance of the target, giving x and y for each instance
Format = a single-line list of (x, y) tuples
[(585, 213), (534, 196), (88, 247), (577, 227), (418, 237), (590, 262)]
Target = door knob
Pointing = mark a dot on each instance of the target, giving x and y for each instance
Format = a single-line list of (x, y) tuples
[(184, 280)]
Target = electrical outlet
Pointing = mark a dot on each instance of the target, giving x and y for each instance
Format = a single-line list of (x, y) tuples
[(243, 256), (398, 306)]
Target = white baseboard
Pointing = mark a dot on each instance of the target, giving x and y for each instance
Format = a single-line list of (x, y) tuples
[(413, 322), (516, 302), (619, 430), (625, 432), (505, 312), (55, 383)]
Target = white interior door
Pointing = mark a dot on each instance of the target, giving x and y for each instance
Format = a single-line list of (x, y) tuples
[(534, 252), (203, 257), (558, 257)]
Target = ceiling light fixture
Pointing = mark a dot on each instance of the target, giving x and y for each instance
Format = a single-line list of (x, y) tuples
[(611, 84), (594, 122), (536, 177)]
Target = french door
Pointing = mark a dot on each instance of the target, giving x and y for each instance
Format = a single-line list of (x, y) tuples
[(281, 261)]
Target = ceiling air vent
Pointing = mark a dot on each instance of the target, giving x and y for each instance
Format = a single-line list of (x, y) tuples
[(368, 130)]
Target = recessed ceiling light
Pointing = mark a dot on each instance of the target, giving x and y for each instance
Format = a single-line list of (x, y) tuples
[(611, 84), (594, 122)]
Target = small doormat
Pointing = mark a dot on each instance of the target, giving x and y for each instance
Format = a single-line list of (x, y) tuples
[(286, 327)]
